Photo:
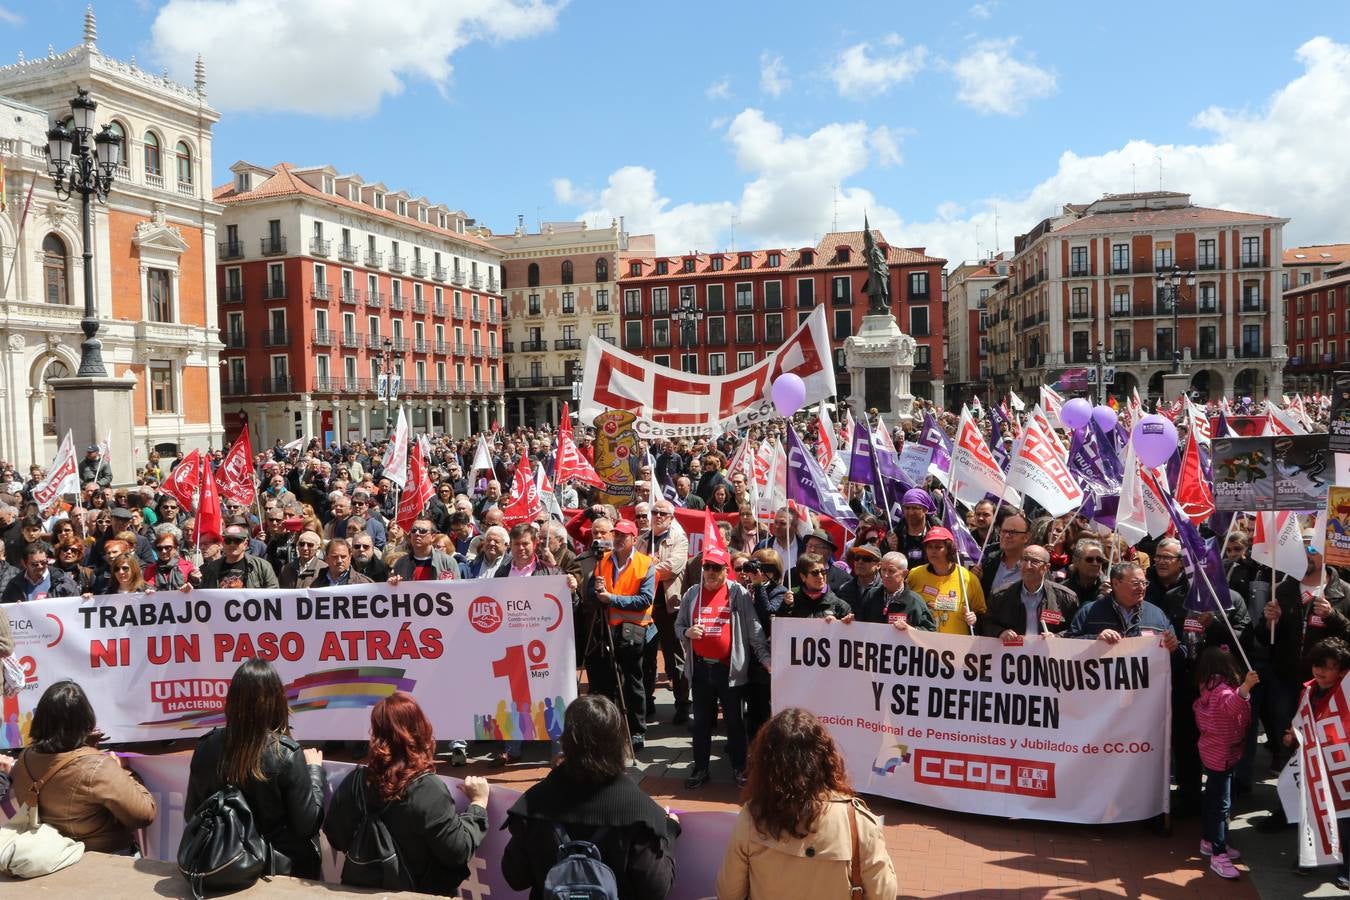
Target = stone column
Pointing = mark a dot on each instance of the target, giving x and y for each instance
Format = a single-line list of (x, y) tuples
[(501, 410), (468, 417), (520, 410)]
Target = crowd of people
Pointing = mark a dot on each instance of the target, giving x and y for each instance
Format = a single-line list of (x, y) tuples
[(327, 516)]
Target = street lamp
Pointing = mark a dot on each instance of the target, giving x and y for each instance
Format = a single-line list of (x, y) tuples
[(687, 316), (386, 352), (78, 165), (1169, 286)]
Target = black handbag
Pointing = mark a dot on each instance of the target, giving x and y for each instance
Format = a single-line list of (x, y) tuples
[(221, 850)]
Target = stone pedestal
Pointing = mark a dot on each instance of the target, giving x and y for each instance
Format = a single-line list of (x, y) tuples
[(93, 409), (882, 348), (1176, 385)]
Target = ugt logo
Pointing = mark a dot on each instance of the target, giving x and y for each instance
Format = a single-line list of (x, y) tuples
[(485, 615)]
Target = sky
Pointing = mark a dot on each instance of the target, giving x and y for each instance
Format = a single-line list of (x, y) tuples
[(953, 126)]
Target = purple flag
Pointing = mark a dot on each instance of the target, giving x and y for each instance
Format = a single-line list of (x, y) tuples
[(1203, 596), (863, 468), (966, 545), (808, 485), (933, 435), (998, 423)]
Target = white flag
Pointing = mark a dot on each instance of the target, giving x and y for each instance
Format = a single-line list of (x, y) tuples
[(62, 478), (1322, 748), (1018, 404), (974, 471), (773, 486), (1131, 520), (482, 457), (1278, 544), (1279, 421), (1052, 402), (1040, 471), (396, 455)]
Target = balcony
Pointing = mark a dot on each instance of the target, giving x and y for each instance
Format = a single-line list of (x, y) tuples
[(276, 337), (419, 306), (374, 299), (1253, 305), (493, 319), (457, 277), (475, 315), (276, 384), (509, 347), (355, 385), (1255, 262), (567, 344), (375, 259), (439, 309), (1081, 357), (442, 348), (439, 273), (492, 286), (421, 345), (478, 387), (226, 250), (351, 339), (419, 269), (529, 381), (399, 344), (477, 350), (1207, 306), (232, 293), (398, 264), (233, 387), (533, 346), (320, 292), (461, 349), (419, 387), (458, 386), (274, 290), (323, 337), (443, 388), (1207, 352), (494, 353), (376, 342), (476, 282), (320, 247), (351, 294), (1080, 271), (326, 384), (1207, 265), (1253, 351), (396, 303), (235, 340), (273, 246), (1080, 314), (348, 253)]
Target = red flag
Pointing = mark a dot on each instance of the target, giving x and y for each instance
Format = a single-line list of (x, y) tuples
[(570, 464), (414, 499), (1194, 493), (525, 503), (235, 479), (714, 549), (181, 483), (209, 523)]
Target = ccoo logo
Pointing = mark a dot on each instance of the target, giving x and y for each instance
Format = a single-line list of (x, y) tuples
[(485, 615)]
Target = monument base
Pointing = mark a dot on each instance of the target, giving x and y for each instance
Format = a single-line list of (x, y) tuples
[(881, 345), (1176, 385), (95, 410)]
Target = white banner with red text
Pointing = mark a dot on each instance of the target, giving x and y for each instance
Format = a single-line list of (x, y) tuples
[(159, 665), (672, 403), (1054, 728)]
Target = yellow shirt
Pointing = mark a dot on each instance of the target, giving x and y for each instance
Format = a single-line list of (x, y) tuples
[(942, 593)]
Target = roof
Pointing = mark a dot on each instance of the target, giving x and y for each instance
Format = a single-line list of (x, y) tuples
[(285, 183), (1317, 255), (1145, 219), (823, 258), (1313, 287)]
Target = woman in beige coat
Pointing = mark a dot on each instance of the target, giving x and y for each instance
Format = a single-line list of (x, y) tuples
[(803, 833)]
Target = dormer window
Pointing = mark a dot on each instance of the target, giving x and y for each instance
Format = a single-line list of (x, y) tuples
[(808, 257), (842, 255), (243, 182), (745, 260), (688, 264), (403, 207), (379, 200), (635, 269), (717, 263), (775, 260), (661, 267)]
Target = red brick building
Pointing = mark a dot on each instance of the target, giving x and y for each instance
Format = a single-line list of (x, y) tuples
[(751, 300), (1317, 315)]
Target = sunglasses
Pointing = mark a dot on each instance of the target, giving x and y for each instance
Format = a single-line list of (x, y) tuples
[(419, 531), (1094, 559), (235, 539), (713, 567), (820, 572), (162, 547), (309, 544), (122, 568), (70, 550), (363, 546)]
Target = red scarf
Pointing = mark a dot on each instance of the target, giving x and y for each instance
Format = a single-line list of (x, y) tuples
[(713, 613)]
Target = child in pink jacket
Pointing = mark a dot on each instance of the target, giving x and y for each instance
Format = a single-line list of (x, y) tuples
[(1222, 713)]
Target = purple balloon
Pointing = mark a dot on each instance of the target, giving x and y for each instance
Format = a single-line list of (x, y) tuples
[(789, 393), (1155, 440), (1105, 417), (1075, 413)]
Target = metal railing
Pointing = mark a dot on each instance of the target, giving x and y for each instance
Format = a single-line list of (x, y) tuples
[(233, 387), (439, 273), (398, 264), (324, 337), (232, 293), (230, 250), (320, 292), (351, 294), (351, 339), (348, 253), (274, 290), (419, 270), (374, 299), (276, 384), (273, 246), (233, 339), (320, 247)]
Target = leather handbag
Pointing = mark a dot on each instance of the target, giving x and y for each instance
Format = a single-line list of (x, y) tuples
[(221, 850), (28, 848)]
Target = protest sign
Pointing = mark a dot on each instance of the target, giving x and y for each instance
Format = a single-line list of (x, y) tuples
[(1056, 729), (1338, 526), (1259, 474), (1339, 424), (158, 665), (616, 456)]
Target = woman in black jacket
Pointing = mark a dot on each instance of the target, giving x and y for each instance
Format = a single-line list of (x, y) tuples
[(768, 591), (591, 798), (255, 751), (435, 842)]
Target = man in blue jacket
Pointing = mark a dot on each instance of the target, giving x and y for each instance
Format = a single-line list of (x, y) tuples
[(1124, 613)]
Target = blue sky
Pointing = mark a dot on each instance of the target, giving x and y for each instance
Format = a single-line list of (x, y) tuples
[(694, 119)]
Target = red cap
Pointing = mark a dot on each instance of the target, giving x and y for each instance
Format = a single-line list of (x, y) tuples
[(626, 526), (938, 534)]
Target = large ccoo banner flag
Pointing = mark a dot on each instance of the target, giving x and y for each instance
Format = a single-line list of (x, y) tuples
[(1054, 728), (159, 665)]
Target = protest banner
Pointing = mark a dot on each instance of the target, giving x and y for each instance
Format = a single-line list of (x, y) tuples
[(158, 666), (1259, 474), (1339, 423), (1056, 729), (616, 456), (698, 852), (1338, 526), (1323, 735), (669, 403)]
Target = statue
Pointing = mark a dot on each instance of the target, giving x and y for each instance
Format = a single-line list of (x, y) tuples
[(878, 275)]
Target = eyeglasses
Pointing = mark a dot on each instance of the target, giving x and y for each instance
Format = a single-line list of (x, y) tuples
[(1011, 531), (662, 513), (1094, 559), (419, 531), (160, 547), (1034, 563), (1167, 557), (1137, 582), (309, 544), (70, 550), (820, 572), (235, 539)]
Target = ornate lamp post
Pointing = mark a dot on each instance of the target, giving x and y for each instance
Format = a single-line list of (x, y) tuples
[(82, 162), (687, 317), (1169, 286), (386, 370)]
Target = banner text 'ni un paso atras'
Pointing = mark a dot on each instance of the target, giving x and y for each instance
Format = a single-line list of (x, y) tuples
[(490, 659), (1055, 728)]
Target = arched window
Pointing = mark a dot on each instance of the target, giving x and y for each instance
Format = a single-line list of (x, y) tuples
[(602, 269), (567, 271), (55, 369), (154, 165), (184, 154), (533, 277), (121, 134), (55, 270)]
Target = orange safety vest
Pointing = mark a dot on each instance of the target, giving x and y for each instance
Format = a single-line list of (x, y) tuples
[(627, 584)]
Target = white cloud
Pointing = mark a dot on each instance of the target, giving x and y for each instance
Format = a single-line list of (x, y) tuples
[(719, 90), (332, 57), (991, 81), (9, 17), (983, 10), (773, 77), (632, 193), (857, 73), (564, 191), (885, 143)]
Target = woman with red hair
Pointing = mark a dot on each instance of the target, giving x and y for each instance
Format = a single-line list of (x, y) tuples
[(398, 783), (803, 833)]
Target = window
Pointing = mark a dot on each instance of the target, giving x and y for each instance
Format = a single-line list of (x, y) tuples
[(687, 295), (1209, 297), (632, 334), (1331, 324), (775, 259), (635, 269), (660, 332), (1120, 259), (1121, 341), (918, 285), (1206, 255), (1164, 345), (717, 263), (117, 131), (717, 330), (567, 271), (1078, 261), (842, 255), (744, 295), (716, 296), (773, 295), (159, 293), (744, 360), (1316, 327), (1079, 308), (689, 362), (745, 261), (1305, 278), (1162, 255), (717, 364), (806, 293), (808, 257), (662, 267), (602, 269), (184, 158), (843, 324), (569, 302), (923, 356), (1251, 296), (602, 300), (773, 328), (1298, 306), (632, 303), (1317, 302), (1081, 349), (1251, 251), (688, 265), (55, 274), (1251, 340), (154, 164), (161, 388), (745, 329), (841, 290), (661, 301), (918, 321), (1209, 341), (1284, 281), (532, 275)]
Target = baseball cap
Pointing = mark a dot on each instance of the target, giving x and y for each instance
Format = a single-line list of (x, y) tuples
[(938, 534), (866, 550), (624, 526)]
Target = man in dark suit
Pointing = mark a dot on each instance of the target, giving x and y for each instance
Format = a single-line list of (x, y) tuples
[(1032, 604)]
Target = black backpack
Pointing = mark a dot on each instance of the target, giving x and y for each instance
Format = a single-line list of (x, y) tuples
[(580, 873), (373, 858), (221, 850)]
